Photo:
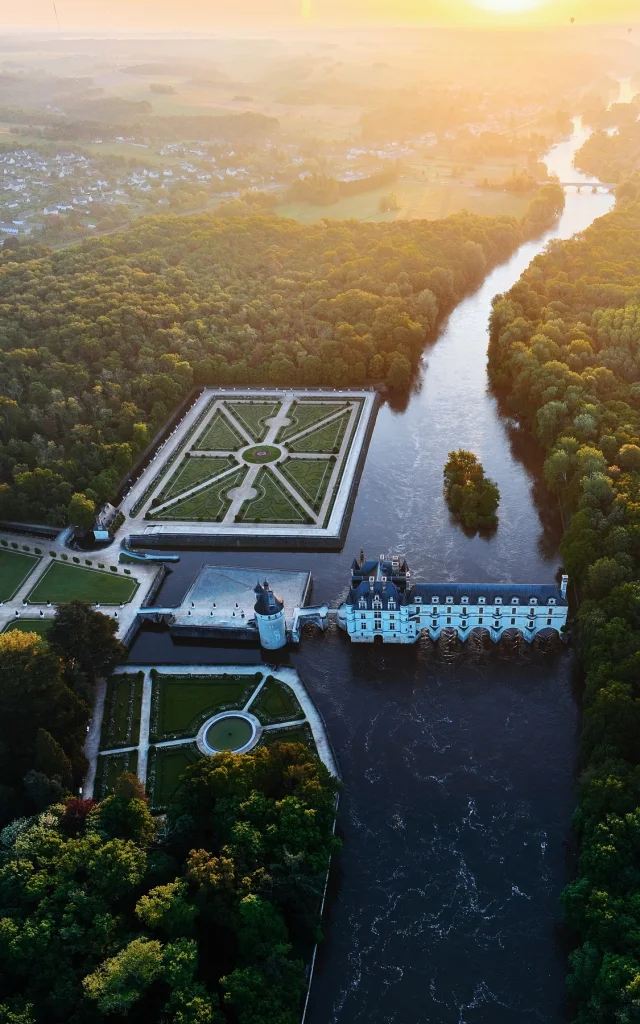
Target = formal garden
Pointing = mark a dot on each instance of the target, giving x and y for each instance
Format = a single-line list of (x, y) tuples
[(191, 713), (273, 459)]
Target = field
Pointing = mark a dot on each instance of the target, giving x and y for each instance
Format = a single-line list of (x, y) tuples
[(273, 458), (417, 200), (182, 703), (39, 626), (276, 702), (63, 582), (121, 720), (15, 566)]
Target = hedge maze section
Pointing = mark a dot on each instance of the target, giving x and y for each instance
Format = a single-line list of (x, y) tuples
[(324, 439), (310, 477), (207, 504), (273, 503), (219, 436), (305, 414), (193, 471), (255, 468), (253, 416)]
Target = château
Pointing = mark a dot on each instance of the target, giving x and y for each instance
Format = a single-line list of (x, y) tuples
[(385, 604)]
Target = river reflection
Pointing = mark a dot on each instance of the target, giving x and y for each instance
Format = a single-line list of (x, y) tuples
[(458, 766)]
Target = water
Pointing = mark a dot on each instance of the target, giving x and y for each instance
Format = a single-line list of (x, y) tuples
[(458, 766)]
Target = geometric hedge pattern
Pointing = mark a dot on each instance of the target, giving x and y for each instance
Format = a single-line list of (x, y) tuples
[(271, 460)]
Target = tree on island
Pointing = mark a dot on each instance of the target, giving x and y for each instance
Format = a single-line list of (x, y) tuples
[(471, 496)]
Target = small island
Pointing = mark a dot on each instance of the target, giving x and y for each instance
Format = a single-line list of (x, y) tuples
[(470, 495)]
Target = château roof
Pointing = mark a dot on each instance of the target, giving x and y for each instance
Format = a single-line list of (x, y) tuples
[(387, 578), (266, 601)]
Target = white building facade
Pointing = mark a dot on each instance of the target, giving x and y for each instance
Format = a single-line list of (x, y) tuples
[(384, 604)]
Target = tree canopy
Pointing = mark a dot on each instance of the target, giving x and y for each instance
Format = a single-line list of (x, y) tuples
[(471, 496), (205, 919), (101, 341), (565, 351)]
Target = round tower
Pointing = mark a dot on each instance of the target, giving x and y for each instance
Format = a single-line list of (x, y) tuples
[(270, 621)]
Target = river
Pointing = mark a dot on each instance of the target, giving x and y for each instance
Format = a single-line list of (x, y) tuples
[(458, 771)]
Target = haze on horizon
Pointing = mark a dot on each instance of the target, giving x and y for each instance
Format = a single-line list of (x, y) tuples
[(206, 16)]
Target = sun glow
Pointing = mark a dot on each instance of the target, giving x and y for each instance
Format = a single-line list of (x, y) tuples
[(508, 6)]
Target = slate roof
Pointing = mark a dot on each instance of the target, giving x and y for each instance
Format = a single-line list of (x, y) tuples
[(390, 581), (266, 601)]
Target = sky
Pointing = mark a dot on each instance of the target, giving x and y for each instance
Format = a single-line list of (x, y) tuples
[(210, 15)]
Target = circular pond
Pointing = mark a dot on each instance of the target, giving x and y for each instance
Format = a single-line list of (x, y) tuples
[(261, 453), (232, 732)]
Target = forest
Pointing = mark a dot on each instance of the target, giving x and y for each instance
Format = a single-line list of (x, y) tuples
[(611, 157), (565, 354), (99, 342), (206, 916)]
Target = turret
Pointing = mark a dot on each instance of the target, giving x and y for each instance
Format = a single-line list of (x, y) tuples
[(270, 620), (563, 587)]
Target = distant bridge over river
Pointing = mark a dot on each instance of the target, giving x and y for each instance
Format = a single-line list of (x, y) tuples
[(591, 186)]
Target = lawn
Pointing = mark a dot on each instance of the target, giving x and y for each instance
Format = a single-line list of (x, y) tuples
[(219, 436), (272, 504), (208, 505), (276, 702), (110, 767), (310, 477), (15, 566), (192, 471), (417, 200), (324, 439), (182, 703), (305, 414), (166, 765), (63, 582), (121, 720), (39, 626), (252, 416)]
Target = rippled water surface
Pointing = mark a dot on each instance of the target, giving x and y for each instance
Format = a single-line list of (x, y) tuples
[(458, 767)]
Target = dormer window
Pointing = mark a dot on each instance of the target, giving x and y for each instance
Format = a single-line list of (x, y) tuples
[(482, 600), (498, 600), (449, 600), (418, 600), (435, 600), (384, 579), (533, 600), (465, 600), (392, 603), (372, 579), (552, 600), (362, 603), (515, 600)]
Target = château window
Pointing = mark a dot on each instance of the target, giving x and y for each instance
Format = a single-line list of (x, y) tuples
[(449, 600), (465, 600), (449, 621), (515, 600), (533, 600), (498, 600), (434, 611), (552, 600), (418, 600), (548, 622), (482, 600), (513, 622), (434, 624), (435, 600), (480, 620)]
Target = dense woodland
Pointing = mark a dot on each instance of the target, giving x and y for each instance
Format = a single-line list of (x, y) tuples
[(611, 157), (204, 917), (99, 342), (46, 696), (565, 349)]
